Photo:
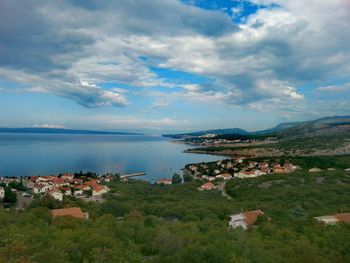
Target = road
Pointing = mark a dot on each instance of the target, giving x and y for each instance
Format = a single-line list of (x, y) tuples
[(223, 190)]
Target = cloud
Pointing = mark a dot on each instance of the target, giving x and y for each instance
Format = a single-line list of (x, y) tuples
[(88, 94), (335, 89), (128, 122), (43, 46), (51, 126)]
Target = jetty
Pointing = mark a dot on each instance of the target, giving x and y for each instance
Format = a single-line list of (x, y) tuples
[(132, 175)]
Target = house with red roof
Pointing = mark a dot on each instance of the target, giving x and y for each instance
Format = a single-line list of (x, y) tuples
[(245, 219), (164, 181), (334, 219), (208, 186), (67, 176), (99, 190), (75, 212), (225, 176)]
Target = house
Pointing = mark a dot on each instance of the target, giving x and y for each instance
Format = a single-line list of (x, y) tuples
[(216, 171), (289, 167), (75, 212), (193, 168), (66, 190), (77, 181), (252, 164), (82, 187), (315, 170), (56, 194), (99, 190), (44, 178), (2, 192), (347, 170), (240, 160), (279, 170), (165, 181), (334, 219), (225, 176), (41, 188), (78, 192), (249, 174), (29, 184), (68, 176), (59, 181), (124, 179), (207, 186), (263, 165), (245, 219), (211, 178)]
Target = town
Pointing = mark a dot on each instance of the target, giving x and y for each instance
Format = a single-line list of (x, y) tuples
[(86, 186), (237, 168)]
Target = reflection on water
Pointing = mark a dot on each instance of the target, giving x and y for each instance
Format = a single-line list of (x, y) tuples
[(33, 154)]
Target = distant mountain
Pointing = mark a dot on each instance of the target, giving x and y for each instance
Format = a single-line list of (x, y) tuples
[(236, 131), (59, 131), (279, 127), (320, 127), (328, 126)]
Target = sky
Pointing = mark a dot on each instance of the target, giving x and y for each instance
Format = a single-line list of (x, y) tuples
[(172, 65)]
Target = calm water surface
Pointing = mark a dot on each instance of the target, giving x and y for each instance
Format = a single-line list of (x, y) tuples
[(44, 154)]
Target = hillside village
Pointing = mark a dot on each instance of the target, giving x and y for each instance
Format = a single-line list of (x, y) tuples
[(236, 168)]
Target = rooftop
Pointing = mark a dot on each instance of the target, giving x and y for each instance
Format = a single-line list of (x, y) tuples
[(71, 211)]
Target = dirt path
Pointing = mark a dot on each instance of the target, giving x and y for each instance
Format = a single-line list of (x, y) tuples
[(222, 188)]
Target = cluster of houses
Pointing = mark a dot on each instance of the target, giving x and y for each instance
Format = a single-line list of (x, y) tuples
[(212, 139), (255, 169), (67, 185), (228, 169)]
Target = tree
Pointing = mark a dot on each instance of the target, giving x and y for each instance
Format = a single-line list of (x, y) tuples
[(10, 197), (188, 177), (176, 179), (18, 186)]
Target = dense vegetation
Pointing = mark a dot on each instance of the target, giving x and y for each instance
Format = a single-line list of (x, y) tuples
[(140, 222)]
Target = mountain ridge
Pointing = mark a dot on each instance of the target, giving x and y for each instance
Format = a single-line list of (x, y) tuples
[(282, 129)]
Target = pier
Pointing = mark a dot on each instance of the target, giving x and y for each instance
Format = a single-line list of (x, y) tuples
[(132, 175)]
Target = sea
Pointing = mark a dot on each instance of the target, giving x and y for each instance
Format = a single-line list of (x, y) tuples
[(26, 154)]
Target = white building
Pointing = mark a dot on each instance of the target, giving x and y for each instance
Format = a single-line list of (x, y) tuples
[(334, 219), (225, 176), (56, 194), (99, 190), (245, 219), (41, 188)]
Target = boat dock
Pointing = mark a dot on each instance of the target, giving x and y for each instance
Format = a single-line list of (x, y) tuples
[(132, 175)]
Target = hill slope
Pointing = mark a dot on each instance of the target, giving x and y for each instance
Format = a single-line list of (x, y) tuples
[(329, 126)]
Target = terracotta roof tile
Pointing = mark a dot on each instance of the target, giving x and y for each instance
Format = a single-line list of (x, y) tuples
[(251, 216), (345, 217), (72, 211)]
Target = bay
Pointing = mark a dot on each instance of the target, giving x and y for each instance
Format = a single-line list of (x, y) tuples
[(48, 154)]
